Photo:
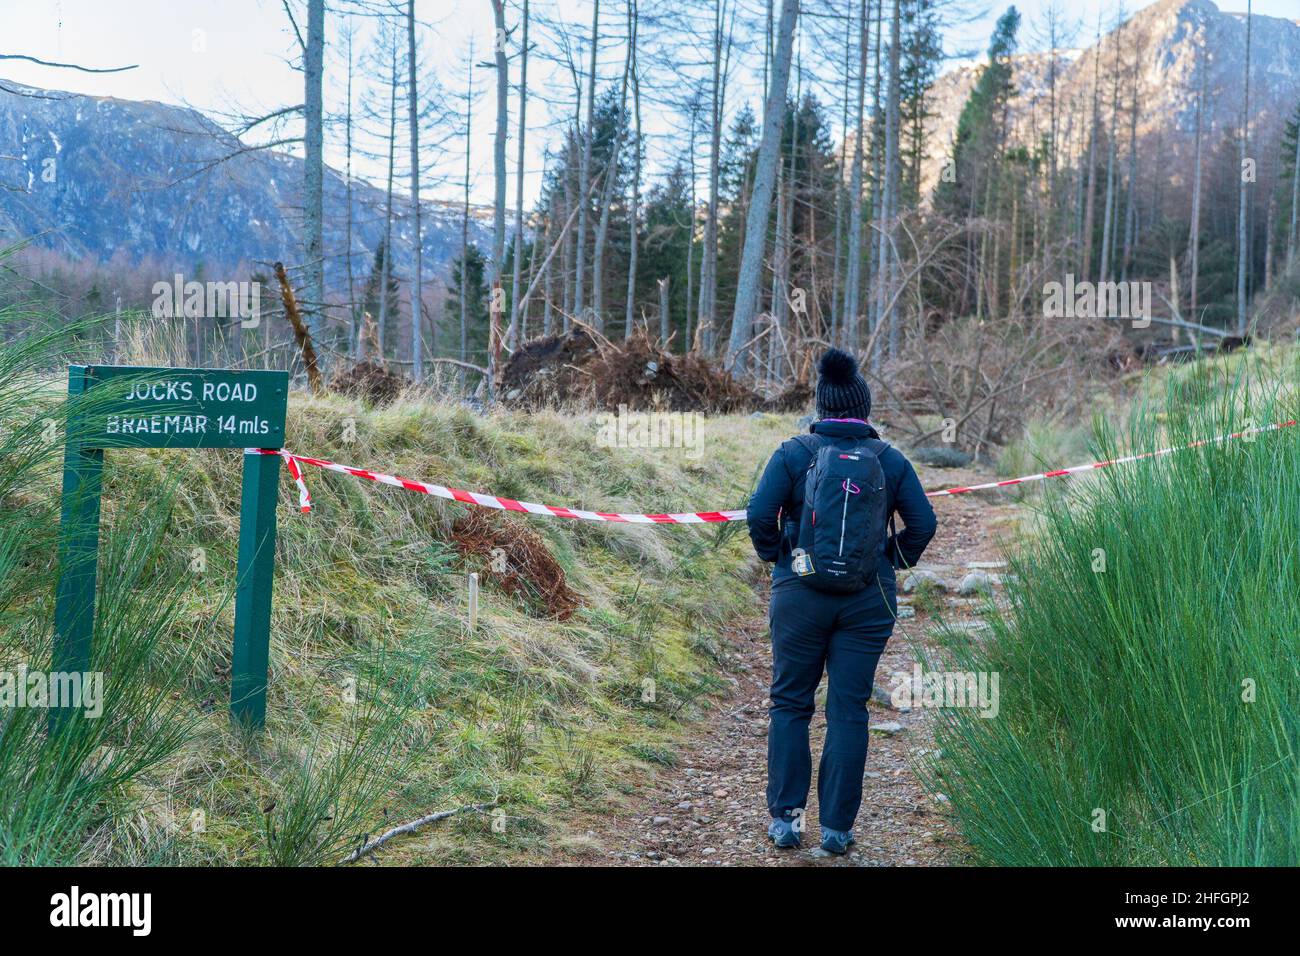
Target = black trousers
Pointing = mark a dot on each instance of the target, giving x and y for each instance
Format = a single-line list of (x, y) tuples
[(842, 635)]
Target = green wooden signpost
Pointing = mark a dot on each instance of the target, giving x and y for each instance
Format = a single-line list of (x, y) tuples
[(120, 406)]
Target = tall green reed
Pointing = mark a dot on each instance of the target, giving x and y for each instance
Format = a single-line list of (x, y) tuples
[(1149, 661), (59, 790)]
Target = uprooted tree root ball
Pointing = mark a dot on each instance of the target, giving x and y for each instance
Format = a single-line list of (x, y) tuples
[(371, 383), (531, 573), (583, 369)]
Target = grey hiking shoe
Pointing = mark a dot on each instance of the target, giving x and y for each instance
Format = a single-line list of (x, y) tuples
[(837, 841), (783, 834)]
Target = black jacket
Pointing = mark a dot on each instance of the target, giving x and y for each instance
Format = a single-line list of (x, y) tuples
[(773, 513)]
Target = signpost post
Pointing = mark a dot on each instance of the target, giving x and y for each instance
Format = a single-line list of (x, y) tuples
[(118, 406)]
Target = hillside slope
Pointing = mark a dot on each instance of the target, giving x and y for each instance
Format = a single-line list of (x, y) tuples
[(383, 705)]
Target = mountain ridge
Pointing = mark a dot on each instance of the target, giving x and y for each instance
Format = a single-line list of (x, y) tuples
[(1169, 34), (97, 175)]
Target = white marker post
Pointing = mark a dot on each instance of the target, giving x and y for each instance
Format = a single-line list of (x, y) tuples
[(473, 601)]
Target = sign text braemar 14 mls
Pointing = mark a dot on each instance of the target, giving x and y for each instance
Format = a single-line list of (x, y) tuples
[(183, 408)]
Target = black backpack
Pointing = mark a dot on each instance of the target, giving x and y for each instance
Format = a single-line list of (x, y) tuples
[(841, 529)]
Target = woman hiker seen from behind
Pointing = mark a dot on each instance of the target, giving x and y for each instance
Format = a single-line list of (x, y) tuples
[(823, 512)]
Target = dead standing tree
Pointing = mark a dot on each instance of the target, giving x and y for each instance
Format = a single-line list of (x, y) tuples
[(502, 66), (742, 320), (584, 170), (314, 167), (417, 283), (517, 321)]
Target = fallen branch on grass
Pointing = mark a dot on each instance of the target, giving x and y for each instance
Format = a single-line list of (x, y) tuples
[(367, 848), (458, 363)]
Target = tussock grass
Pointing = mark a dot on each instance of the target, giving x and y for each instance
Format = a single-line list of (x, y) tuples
[(1149, 662)]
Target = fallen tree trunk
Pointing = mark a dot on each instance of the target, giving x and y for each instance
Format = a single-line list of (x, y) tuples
[(300, 331)]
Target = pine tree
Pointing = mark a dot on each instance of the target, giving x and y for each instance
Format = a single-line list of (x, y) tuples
[(977, 151), (370, 294), (922, 52), (980, 131), (665, 236), (470, 274)]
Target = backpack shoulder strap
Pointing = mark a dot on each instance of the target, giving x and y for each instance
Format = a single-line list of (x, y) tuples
[(878, 447), (810, 442)]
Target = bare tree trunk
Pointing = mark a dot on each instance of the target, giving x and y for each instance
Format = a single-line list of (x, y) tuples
[(853, 269), (1173, 293), (417, 279), (1053, 25), (891, 180), (664, 325), (314, 168), (1130, 207), (707, 311), (499, 143), (1086, 237), (522, 332), (751, 261), (1079, 188), (568, 279), (548, 308), (781, 258), (784, 258), (513, 334), (634, 16), (1194, 242), (1241, 190), (841, 196), (386, 266), (877, 169), (1108, 213), (494, 339), (584, 167), (464, 221), (354, 336), (1270, 224), (690, 240), (607, 187)]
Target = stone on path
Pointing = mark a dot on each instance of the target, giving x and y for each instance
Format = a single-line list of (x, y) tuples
[(977, 582), (918, 575)]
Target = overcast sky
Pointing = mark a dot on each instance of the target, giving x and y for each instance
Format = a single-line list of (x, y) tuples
[(226, 55)]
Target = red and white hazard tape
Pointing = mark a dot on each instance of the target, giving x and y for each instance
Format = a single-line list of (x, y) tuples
[(488, 501), (1074, 470), (293, 461)]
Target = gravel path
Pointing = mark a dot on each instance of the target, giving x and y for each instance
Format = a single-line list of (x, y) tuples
[(709, 809)]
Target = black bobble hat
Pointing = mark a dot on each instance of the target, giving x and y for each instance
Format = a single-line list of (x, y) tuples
[(841, 391)]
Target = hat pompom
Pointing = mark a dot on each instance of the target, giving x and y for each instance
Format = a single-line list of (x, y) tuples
[(838, 367)]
